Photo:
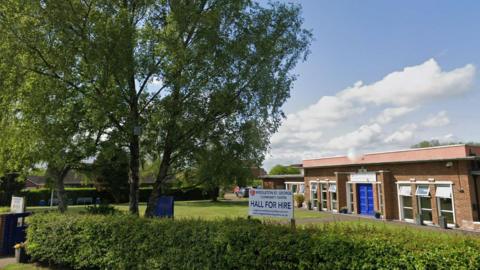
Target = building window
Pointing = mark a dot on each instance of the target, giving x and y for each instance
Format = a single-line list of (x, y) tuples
[(424, 202), (405, 198), (296, 188), (323, 197), (380, 198), (443, 194), (333, 196), (302, 189), (350, 197), (314, 194)]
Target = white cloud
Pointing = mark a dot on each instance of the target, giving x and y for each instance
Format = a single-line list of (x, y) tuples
[(439, 120), (364, 135), (413, 85), (388, 114), (405, 134), (325, 127)]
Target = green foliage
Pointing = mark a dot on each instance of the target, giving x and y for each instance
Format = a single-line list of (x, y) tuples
[(34, 196), (433, 143), (9, 185), (180, 70), (299, 199), (109, 172), (101, 209), (280, 169), (125, 242)]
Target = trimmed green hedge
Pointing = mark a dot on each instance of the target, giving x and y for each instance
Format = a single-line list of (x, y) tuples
[(127, 242), (34, 196)]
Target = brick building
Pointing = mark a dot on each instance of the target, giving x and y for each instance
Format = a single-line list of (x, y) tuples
[(401, 185), (294, 182)]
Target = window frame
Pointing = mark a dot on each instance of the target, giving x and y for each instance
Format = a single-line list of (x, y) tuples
[(422, 190), (314, 193), (324, 199), (401, 206), (333, 202), (439, 205)]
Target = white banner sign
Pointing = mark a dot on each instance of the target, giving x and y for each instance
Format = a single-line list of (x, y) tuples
[(363, 177), (270, 203), (17, 205)]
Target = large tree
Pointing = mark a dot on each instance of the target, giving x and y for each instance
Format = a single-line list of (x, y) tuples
[(43, 122), (164, 73)]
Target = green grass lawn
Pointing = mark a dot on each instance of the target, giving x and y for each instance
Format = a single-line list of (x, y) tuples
[(199, 209), (17, 266), (208, 210)]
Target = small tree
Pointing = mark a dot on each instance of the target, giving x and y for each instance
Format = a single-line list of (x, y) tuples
[(109, 172)]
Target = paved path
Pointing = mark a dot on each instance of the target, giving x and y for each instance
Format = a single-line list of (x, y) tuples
[(328, 217), (4, 261)]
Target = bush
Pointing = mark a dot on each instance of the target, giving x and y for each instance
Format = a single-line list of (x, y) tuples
[(34, 196), (127, 242), (299, 199), (101, 209)]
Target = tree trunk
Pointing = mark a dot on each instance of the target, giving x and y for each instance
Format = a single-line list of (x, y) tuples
[(157, 187), (214, 193), (134, 174), (58, 176)]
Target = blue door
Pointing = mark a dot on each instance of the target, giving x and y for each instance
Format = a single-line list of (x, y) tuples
[(365, 199)]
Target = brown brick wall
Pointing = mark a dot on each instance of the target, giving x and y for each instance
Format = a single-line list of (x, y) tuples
[(278, 183), (342, 180), (389, 174)]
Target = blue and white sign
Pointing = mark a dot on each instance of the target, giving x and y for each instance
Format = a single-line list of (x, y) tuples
[(164, 207), (270, 203)]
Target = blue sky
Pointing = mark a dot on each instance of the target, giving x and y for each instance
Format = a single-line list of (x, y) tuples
[(418, 63)]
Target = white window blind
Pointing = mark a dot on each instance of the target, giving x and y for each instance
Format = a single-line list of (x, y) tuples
[(405, 190), (423, 191), (333, 188), (443, 192)]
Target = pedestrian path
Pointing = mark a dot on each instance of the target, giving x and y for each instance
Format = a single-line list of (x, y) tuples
[(4, 261)]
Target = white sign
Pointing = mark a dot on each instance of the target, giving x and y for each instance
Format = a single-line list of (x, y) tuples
[(270, 203), (363, 177), (17, 205)]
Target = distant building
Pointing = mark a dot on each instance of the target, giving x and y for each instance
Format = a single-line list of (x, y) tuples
[(72, 179), (294, 182)]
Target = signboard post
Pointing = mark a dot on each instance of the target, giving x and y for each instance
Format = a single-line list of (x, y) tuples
[(17, 205), (271, 203)]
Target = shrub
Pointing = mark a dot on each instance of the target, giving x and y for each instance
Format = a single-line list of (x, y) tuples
[(127, 242), (34, 196), (101, 209), (299, 199)]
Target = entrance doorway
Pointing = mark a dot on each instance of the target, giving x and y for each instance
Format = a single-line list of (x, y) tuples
[(365, 199)]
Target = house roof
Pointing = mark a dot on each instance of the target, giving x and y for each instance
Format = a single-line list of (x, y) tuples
[(450, 152), (282, 176), (72, 178)]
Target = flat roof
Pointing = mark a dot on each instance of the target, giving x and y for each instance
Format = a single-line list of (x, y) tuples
[(281, 176), (447, 152)]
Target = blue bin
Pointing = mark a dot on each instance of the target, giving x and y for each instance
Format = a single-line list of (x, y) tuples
[(12, 231)]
